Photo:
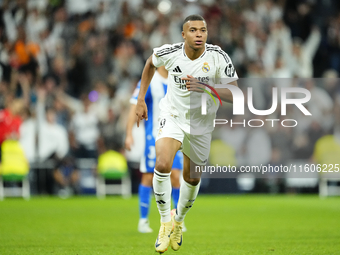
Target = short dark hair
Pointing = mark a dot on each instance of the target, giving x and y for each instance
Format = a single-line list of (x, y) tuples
[(193, 18)]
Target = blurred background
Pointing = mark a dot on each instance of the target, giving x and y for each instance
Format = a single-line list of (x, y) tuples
[(68, 69)]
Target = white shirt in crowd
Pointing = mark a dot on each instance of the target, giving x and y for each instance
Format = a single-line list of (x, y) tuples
[(41, 139)]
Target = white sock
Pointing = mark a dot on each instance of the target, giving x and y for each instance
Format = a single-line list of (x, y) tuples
[(162, 190), (187, 197)]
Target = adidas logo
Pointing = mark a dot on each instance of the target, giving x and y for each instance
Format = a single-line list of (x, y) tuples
[(177, 70), (160, 202), (159, 194)]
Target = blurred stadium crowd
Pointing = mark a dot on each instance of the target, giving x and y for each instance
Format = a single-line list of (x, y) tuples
[(69, 67)]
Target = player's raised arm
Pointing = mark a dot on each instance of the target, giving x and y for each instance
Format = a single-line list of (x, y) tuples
[(225, 94), (227, 75), (148, 72), (131, 121), (194, 85)]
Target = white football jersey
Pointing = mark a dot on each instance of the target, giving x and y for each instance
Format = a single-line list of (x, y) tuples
[(212, 67)]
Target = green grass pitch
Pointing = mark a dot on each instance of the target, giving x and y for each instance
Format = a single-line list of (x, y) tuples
[(248, 224)]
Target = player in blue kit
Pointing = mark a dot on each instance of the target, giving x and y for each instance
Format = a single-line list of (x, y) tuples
[(155, 93)]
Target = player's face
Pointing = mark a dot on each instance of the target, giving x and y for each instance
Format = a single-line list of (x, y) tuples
[(195, 34)]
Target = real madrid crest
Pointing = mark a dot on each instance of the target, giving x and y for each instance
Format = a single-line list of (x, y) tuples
[(206, 67)]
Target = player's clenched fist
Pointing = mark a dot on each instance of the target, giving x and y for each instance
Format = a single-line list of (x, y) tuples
[(141, 111), (193, 84)]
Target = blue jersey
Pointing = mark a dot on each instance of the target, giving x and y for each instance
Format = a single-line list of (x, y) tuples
[(154, 94)]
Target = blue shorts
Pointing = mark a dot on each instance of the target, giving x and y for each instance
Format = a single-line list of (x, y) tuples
[(148, 160)]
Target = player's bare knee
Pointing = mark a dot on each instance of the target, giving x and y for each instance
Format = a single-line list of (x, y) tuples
[(163, 166)]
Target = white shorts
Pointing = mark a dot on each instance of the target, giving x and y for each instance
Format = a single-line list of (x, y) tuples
[(196, 147)]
